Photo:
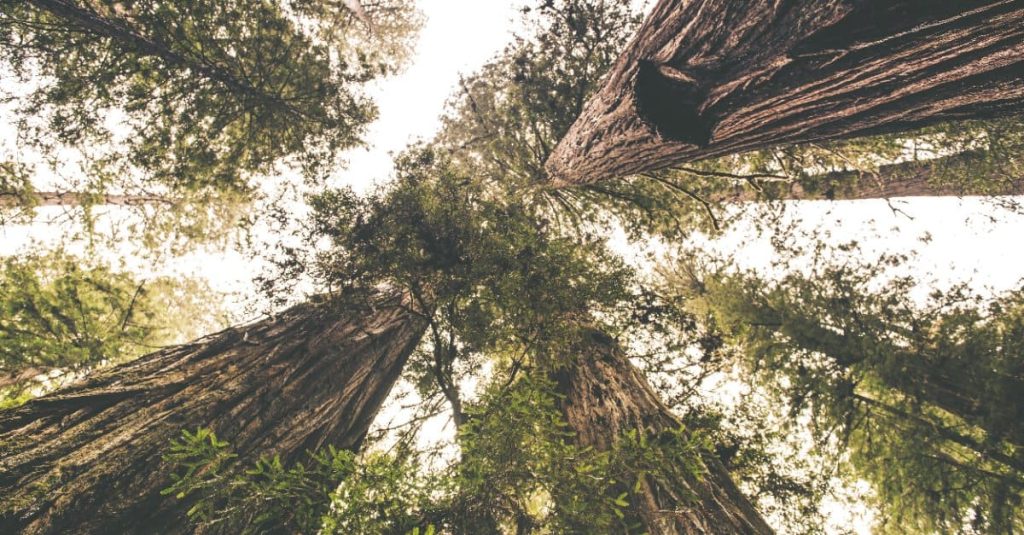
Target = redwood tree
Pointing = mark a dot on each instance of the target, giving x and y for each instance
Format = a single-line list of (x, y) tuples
[(603, 397), (88, 459), (705, 78)]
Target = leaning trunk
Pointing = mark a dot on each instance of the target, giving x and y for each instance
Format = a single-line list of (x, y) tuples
[(603, 396), (88, 459), (707, 78)]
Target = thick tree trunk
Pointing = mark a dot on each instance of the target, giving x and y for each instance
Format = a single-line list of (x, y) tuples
[(87, 459), (605, 396), (706, 78), (928, 178), (132, 39)]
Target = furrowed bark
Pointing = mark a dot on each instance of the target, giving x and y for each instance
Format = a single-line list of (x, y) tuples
[(706, 78), (603, 397), (88, 459)]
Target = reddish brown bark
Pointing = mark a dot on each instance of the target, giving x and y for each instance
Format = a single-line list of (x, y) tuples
[(706, 78), (603, 397), (88, 459)]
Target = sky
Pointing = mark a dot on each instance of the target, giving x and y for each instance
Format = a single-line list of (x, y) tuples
[(460, 35), (457, 38)]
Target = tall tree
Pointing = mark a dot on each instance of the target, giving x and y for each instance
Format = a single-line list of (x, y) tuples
[(496, 279), (99, 204), (89, 458), (709, 78), (196, 103), (926, 398), (211, 89), (603, 396)]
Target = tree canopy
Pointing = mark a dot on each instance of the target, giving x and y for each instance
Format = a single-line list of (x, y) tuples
[(575, 389), (191, 105)]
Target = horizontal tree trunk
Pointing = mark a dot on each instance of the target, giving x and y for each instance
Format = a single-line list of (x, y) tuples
[(88, 459), (71, 198), (959, 175), (603, 397), (706, 78)]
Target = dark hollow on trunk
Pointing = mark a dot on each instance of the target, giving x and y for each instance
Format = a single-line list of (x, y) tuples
[(87, 459), (604, 397), (706, 78)]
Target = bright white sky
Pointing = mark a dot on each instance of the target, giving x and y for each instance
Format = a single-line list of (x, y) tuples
[(460, 35)]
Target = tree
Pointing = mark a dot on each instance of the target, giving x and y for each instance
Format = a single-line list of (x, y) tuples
[(62, 316), (967, 158), (212, 97), (603, 396), (926, 399), (89, 458), (506, 118), (156, 220), (711, 78), (498, 282)]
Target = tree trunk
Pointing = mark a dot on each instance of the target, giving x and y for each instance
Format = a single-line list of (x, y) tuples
[(605, 396), (88, 459), (907, 179), (706, 78), (71, 198), (131, 39)]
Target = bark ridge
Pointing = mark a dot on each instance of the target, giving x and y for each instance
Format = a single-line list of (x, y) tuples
[(87, 459)]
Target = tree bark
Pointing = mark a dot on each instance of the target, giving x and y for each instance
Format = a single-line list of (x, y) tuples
[(88, 459), (706, 78), (603, 396), (907, 179)]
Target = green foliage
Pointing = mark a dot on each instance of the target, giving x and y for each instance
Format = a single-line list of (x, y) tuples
[(334, 492), (382, 494), (16, 193), (212, 90), (476, 259), (58, 313), (926, 399), (190, 105), (201, 459), (519, 469)]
